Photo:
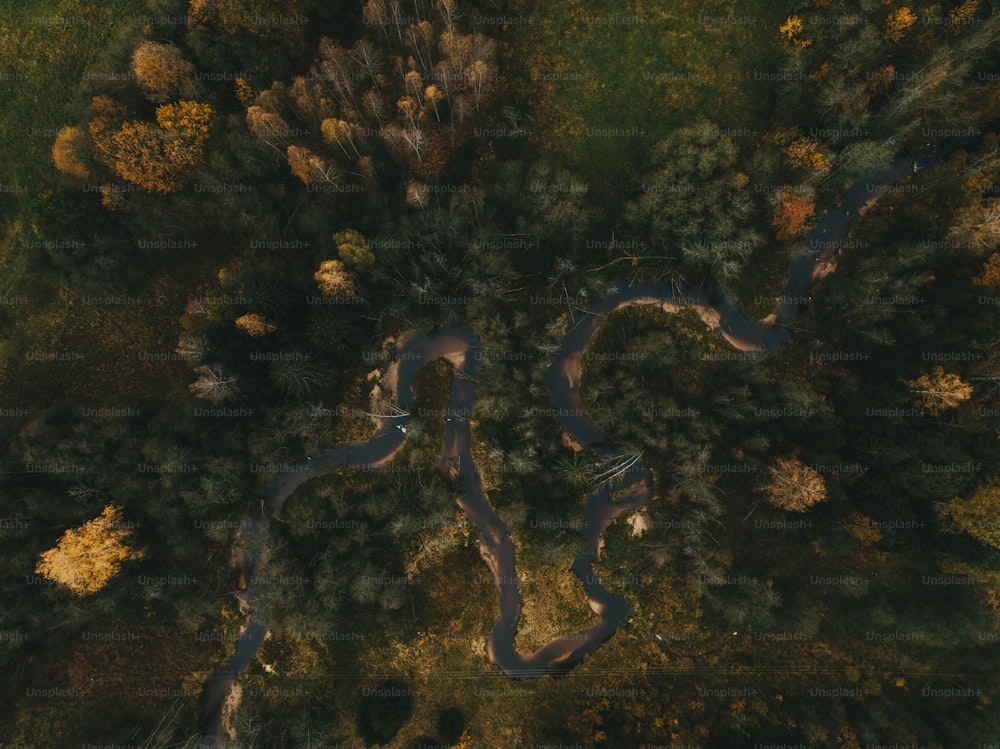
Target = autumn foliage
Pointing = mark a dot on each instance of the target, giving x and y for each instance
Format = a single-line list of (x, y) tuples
[(803, 153), (416, 90), (977, 227), (791, 31), (898, 22), (161, 70), (68, 152), (334, 280), (938, 391), (255, 324), (161, 158), (794, 485), (962, 15), (86, 558), (991, 272), (790, 214)]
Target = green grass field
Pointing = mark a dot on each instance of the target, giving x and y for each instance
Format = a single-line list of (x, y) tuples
[(45, 49), (643, 68)]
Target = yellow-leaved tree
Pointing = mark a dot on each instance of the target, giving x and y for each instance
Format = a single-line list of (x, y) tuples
[(87, 557), (334, 280), (898, 22), (791, 31), (938, 390)]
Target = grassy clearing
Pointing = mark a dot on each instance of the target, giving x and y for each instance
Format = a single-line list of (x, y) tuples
[(594, 65), (45, 49), (44, 52)]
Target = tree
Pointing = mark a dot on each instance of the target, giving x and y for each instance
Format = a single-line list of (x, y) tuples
[(794, 485), (191, 346), (353, 249), (69, 152), (408, 106), (334, 280), (803, 153), (433, 95), (310, 167), (108, 117), (162, 71), (938, 391), (144, 155), (418, 194), (695, 198), (299, 378), (978, 516), (790, 214), (255, 324), (160, 159), (344, 134), (269, 128), (978, 227), (898, 22), (991, 272), (191, 121), (212, 384), (790, 30), (86, 558), (861, 528), (962, 15), (368, 57), (481, 77), (235, 16)]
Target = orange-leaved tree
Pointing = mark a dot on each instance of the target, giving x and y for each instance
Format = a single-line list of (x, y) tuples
[(794, 485), (334, 280), (255, 324), (937, 391), (991, 272), (160, 158), (790, 214)]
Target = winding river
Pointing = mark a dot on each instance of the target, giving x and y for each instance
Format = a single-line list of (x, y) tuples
[(456, 467)]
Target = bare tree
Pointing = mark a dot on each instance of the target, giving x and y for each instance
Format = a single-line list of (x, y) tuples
[(212, 384)]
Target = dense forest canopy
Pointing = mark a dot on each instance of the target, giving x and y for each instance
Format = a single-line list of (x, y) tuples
[(219, 215)]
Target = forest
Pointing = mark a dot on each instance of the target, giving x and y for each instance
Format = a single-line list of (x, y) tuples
[(214, 215)]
